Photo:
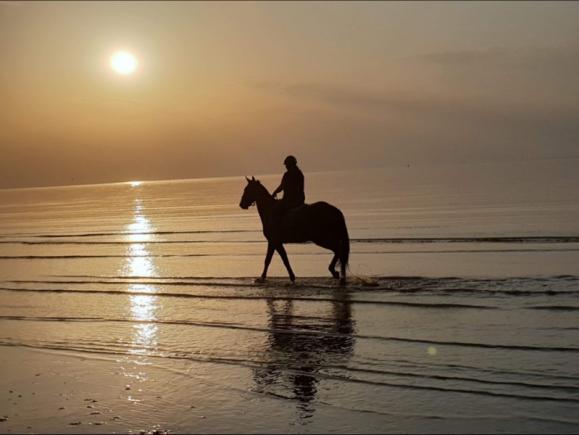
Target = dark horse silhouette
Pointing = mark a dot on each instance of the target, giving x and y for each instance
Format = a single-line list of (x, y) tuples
[(319, 222)]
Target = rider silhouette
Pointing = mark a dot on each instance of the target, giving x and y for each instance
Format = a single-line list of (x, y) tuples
[(292, 185)]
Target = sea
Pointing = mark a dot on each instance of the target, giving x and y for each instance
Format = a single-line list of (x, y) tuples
[(460, 314)]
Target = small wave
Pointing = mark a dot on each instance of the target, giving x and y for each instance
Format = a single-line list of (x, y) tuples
[(394, 240), (517, 292), (506, 239), (367, 240), (370, 279), (463, 378), (79, 256), (451, 286), (479, 345), (461, 390), (566, 277), (125, 242), (555, 308), (469, 368), (249, 297), (253, 254), (401, 240), (484, 291), (127, 233), (132, 321), (469, 251)]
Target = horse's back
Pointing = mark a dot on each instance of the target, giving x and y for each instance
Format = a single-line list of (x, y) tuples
[(324, 207), (313, 222), (317, 211)]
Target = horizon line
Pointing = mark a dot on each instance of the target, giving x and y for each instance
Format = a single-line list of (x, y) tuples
[(128, 182)]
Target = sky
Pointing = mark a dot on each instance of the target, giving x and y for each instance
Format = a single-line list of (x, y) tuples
[(231, 88)]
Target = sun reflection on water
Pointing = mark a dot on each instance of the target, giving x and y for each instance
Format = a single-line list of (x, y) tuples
[(139, 264)]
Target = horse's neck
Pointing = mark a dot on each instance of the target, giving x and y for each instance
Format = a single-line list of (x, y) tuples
[(264, 203)]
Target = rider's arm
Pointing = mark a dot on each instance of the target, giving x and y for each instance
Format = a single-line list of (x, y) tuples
[(278, 190), (281, 186)]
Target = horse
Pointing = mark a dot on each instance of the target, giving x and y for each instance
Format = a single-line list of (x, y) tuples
[(320, 222)]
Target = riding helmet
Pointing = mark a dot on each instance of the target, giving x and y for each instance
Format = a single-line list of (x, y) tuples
[(290, 161)]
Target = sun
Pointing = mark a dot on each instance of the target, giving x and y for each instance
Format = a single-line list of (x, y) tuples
[(124, 63)]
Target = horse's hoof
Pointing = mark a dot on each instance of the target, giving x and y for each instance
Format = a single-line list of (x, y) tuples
[(343, 281), (259, 280), (335, 275)]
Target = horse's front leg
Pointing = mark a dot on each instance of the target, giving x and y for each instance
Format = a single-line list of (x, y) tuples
[(270, 250), (281, 251)]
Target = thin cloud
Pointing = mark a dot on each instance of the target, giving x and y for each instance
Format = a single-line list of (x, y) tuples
[(464, 57), (551, 57), (466, 109)]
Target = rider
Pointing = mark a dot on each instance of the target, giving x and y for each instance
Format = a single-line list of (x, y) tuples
[(292, 185)]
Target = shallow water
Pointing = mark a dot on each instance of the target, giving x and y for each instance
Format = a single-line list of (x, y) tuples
[(460, 314)]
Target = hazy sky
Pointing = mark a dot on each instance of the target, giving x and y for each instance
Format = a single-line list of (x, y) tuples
[(231, 88)]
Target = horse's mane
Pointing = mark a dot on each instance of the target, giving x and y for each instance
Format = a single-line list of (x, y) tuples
[(262, 187)]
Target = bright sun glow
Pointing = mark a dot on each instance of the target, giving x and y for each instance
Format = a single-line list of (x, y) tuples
[(124, 62)]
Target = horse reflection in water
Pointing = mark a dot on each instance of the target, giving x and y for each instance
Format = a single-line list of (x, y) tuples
[(301, 347)]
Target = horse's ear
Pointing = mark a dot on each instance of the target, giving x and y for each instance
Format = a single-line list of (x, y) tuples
[(252, 178), (247, 180)]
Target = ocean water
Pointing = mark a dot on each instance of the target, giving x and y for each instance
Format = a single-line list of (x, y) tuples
[(460, 314)]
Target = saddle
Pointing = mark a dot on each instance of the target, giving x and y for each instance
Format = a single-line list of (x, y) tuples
[(293, 223), (292, 212)]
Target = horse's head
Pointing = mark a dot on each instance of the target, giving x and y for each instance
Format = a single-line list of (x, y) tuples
[(250, 193)]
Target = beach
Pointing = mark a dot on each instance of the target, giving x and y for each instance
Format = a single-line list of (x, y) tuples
[(131, 307)]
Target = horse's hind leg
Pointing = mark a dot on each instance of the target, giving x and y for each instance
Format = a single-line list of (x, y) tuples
[(332, 267), (343, 269)]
